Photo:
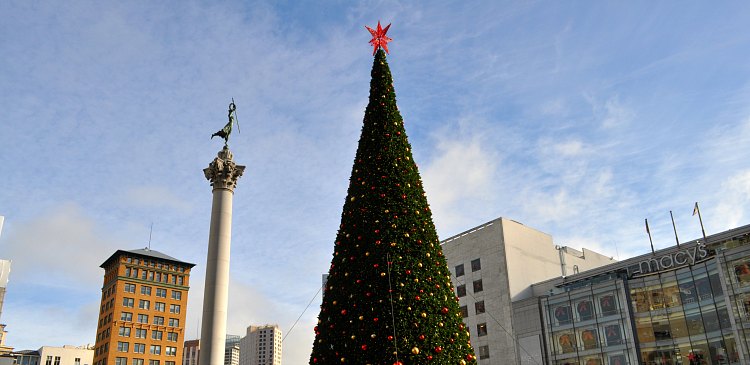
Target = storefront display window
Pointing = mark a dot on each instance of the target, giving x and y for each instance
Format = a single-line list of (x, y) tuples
[(562, 314), (592, 360), (742, 272), (589, 339), (585, 310), (566, 342), (608, 305), (618, 359), (613, 334)]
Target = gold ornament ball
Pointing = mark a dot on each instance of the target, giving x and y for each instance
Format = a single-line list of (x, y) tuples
[(424, 315), (415, 350)]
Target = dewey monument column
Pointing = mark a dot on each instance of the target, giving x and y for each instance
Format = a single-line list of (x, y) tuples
[(223, 174)]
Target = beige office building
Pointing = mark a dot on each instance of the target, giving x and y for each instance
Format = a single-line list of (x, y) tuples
[(261, 346), (493, 266)]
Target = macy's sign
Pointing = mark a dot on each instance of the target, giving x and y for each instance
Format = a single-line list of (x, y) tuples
[(688, 256)]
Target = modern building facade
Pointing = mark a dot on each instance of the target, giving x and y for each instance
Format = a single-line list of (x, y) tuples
[(494, 265), (683, 305), (261, 346), (191, 353), (143, 309), (687, 304)]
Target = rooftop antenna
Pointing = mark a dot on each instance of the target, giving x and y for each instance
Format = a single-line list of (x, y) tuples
[(149, 235)]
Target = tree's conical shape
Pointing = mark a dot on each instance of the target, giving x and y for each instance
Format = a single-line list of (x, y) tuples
[(389, 296)]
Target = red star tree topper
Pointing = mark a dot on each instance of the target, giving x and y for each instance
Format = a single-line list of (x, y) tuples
[(379, 39)]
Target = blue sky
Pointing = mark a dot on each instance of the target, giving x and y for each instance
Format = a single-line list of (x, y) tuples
[(579, 119)]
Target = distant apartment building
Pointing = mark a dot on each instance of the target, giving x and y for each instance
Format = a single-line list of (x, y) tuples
[(51, 355), (4, 276), (143, 309), (495, 265), (191, 353), (4, 349), (261, 346)]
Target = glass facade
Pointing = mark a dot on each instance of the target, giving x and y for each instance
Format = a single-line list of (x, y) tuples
[(681, 317), (589, 325), (735, 271), (686, 306)]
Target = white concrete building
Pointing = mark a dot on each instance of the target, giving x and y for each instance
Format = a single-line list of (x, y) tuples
[(261, 346), (493, 266), (66, 355), (4, 276)]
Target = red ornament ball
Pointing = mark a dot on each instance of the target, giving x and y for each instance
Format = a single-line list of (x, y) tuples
[(364, 347), (438, 349), (390, 338), (444, 310)]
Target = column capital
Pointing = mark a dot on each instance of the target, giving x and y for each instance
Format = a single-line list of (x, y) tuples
[(222, 172)]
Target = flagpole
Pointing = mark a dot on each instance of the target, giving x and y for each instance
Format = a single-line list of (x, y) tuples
[(675, 229), (703, 230), (649, 237)]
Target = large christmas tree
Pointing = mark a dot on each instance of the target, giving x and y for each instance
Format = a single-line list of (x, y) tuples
[(389, 298)]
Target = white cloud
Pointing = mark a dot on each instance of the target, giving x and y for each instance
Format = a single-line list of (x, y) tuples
[(734, 197), (250, 306), (616, 114), (61, 247), (555, 107), (156, 197), (461, 172)]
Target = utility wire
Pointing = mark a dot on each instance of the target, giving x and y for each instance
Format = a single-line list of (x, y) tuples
[(301, 314)]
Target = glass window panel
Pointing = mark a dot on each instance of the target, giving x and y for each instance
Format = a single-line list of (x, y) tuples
[(703, 286), (566, 342), (688, 294), (644, 329), (585, 310), (711, 321), (694, 323), (640, 299), (715, 284), (678, 326), (589, 338), (608, 304), (461, 291), (618, 359), (672, 295), (562, 314), (613, 334), (592, 360), (724, 320)]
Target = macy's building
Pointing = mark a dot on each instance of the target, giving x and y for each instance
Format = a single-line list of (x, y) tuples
[(528, 301)]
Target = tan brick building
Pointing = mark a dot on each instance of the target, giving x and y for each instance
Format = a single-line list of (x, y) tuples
[(143, 309)]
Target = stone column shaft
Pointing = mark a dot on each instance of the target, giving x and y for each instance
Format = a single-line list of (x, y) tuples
[(223, 174)]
